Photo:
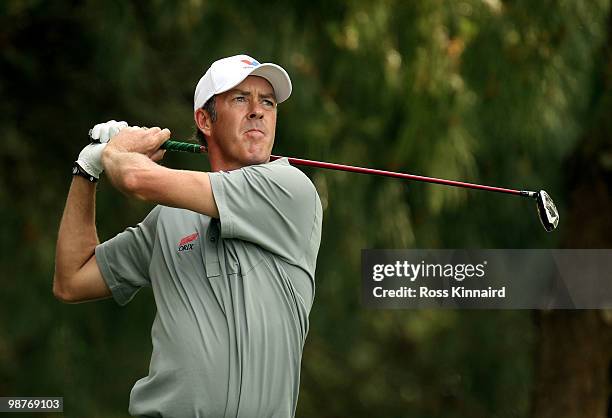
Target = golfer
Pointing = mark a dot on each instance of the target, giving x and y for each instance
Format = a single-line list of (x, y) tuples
[(230, 254)]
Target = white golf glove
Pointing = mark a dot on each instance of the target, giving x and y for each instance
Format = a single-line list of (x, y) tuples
[(89, 163), (103, 132)]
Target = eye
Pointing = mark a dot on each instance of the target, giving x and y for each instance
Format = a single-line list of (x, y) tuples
[(240, 99), (268, 103)]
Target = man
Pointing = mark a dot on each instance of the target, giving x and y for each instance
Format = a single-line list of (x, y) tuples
[(230, 254)]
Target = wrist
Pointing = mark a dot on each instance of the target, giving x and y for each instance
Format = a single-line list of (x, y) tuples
[(109, 153), (79, 171)]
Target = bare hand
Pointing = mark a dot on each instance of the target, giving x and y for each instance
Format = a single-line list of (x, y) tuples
[(140, 140)]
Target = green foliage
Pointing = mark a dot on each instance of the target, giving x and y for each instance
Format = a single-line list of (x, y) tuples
[(486, 91)]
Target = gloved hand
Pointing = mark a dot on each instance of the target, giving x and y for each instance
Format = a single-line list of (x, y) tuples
[(90, 158), (103, 132)]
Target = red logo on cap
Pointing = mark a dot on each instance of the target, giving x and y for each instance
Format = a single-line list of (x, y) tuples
[(250, 62)]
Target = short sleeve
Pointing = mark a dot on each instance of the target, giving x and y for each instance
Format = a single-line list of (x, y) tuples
[(124, 260), (273, 205)]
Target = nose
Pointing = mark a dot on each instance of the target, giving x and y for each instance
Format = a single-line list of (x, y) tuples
[(256, 114), (256, 111)]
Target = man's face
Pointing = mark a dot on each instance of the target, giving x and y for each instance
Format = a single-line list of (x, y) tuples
[(246, 123)]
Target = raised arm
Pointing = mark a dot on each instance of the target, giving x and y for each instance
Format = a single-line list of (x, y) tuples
[(77, 277), (129, 164)]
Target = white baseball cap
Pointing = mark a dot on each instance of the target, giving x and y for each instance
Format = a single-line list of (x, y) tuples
[(227, 73)]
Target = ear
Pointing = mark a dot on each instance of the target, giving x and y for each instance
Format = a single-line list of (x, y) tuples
[(203, 121)]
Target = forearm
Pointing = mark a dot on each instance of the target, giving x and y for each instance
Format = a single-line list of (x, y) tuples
[(77, 237), (138, 176), (126, 169)]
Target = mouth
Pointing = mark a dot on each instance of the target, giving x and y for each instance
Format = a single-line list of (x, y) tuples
[(257, 133)]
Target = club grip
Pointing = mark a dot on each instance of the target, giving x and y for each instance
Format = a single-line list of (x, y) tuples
[(183, 147)]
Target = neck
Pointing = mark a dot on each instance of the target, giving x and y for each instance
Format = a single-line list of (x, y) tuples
[(219, 163)]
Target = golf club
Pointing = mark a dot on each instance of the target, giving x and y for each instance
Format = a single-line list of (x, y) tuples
[(547, 212)]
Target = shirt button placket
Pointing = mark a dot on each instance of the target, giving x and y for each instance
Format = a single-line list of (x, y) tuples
[(210, 251)]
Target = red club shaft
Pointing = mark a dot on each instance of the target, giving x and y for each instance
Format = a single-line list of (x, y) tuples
[(363, 170), (189, 147)]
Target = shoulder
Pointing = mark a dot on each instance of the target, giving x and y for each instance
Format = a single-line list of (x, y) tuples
[(172, 214), (282, 173), (276, 185)]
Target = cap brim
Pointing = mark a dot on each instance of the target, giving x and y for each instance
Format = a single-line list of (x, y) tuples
[(278, 78)]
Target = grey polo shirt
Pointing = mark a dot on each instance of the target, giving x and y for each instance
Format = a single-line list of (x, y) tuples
[(233, 295)]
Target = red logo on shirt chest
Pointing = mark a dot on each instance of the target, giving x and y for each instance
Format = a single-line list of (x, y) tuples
[(186, 243)]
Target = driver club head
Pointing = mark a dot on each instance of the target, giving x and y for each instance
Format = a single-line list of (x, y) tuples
[(547, 211)]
